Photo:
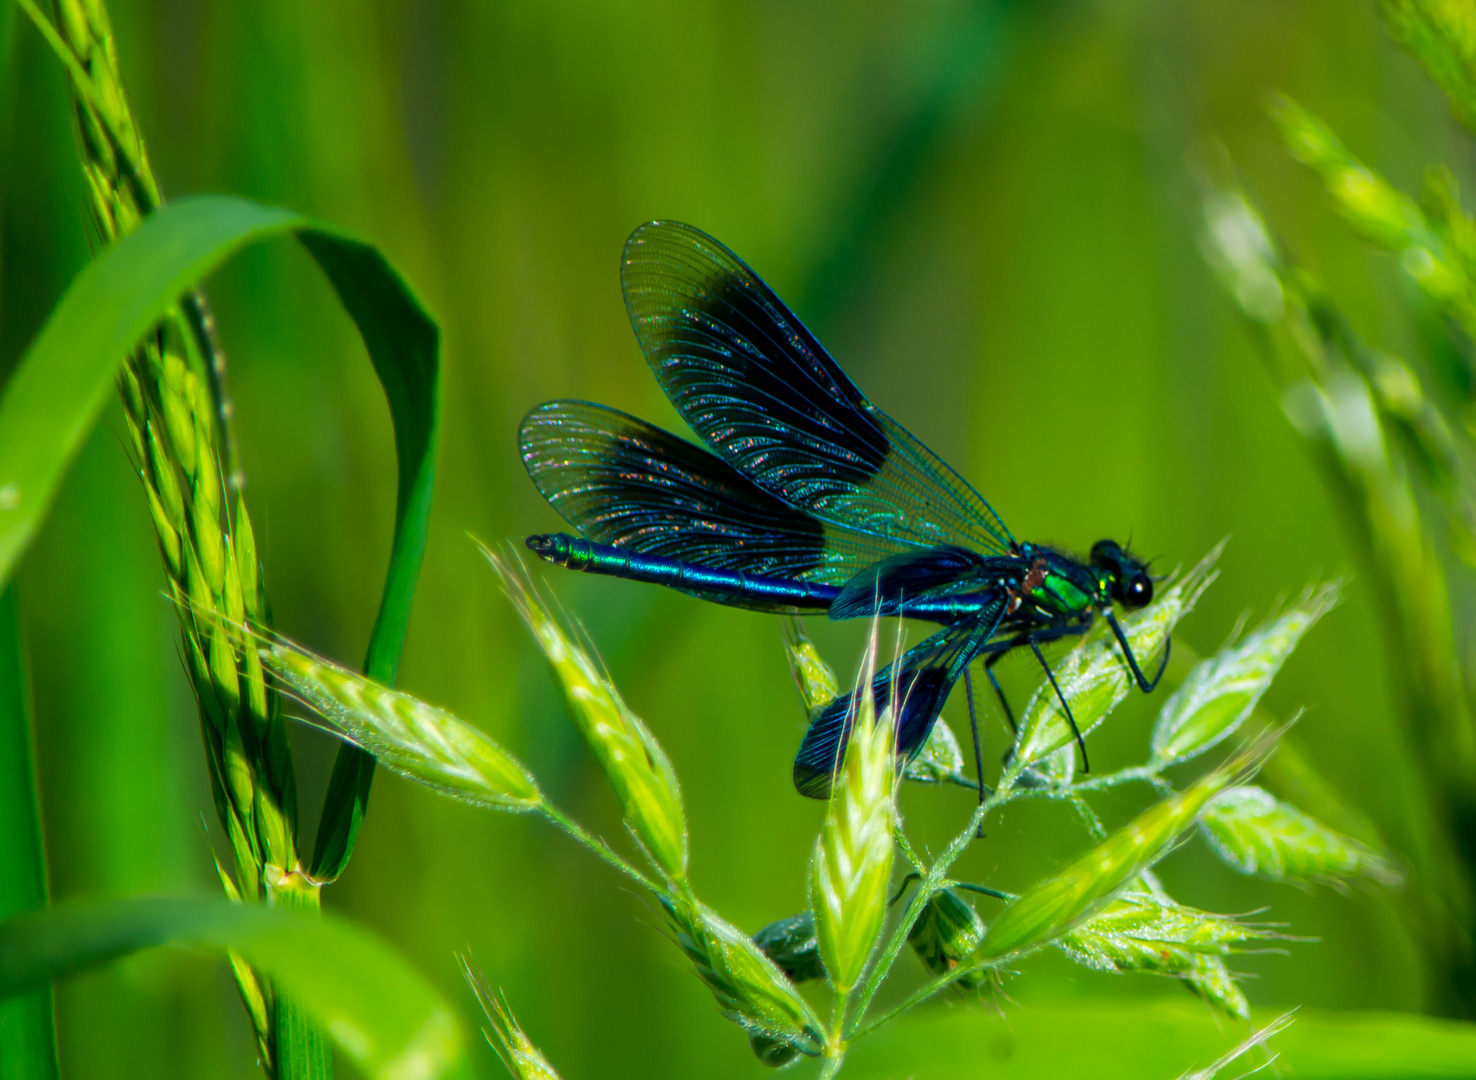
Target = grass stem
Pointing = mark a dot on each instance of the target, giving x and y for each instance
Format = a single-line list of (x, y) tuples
[(607, 854), (934, 879), (27, 1021)]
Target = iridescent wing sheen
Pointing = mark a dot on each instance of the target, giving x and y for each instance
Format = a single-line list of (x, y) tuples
[(887, 587), (920, 683), (766, 396), (625, 482)]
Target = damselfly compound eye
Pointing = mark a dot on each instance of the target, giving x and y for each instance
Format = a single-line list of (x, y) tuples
[(1138, 591)]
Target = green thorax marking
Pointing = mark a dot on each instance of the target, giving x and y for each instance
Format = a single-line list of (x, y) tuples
[(1061, 586)]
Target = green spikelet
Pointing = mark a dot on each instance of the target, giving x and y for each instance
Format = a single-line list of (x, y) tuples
[(852, 862), (1059, 903), (631, 758), (523, 1060), (749, 989), (419, 741)]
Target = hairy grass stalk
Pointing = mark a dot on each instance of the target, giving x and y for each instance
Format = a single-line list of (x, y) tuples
[(179, 427), (1365, 417)]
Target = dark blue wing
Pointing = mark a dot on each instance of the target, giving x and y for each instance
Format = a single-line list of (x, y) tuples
[(624, 482), (889, 586), (922, 680), (769, 400)]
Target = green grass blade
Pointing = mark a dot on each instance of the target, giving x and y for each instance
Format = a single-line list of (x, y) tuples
[(1158, 1039), (59, 386), (27, 1022), (380, 1012), (404, 345)]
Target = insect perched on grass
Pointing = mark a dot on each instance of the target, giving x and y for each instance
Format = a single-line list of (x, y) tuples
[(809, 498)]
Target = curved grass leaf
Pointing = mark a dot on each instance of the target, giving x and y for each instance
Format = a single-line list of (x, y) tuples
[(404, 345), (59, 386), (382, 1014)]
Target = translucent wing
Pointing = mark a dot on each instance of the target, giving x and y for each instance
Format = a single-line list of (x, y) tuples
[(624, 482), (769, 400), (887, 587)]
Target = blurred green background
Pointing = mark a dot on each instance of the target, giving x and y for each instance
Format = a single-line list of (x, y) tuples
[(983, 209)]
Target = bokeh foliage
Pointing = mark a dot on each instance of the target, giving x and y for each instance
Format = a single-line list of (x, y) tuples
[(984, 210)]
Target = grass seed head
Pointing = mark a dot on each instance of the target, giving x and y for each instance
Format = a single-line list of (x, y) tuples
[(1222, 691), (1095, 677), (161, 475), (1059, 903), (169, 544), (749, 988), (416, 740), (206, 527), (174, 414), (812, 676), (175, 402), (1238, 246), (1376, 210), (1442, 36), (1259, 834), (852, 863), (523, 1060), (1147, 931), (634, 762), (248, 569), (1212, 981)]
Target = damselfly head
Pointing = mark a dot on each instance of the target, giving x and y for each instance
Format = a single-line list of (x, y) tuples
[(1131, 584)]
